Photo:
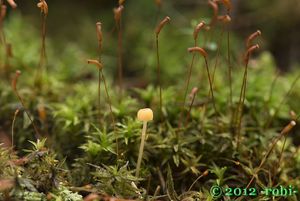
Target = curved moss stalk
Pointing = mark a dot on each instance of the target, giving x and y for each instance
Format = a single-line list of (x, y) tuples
[(14, 86), (205, 173), (239, 113), (195, 36), (202, 52), (157, 31), (118, 17), (228, 6), (270, 119), (43, 57), (3, 10), (158, 77), (100, 67), (99, 37), (213, 21), (283, 132), (237, 118), (193, 95), (246, 60), (277, 166), (13, 126)]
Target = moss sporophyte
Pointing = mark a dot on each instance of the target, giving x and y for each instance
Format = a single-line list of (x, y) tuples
[(214, 126)]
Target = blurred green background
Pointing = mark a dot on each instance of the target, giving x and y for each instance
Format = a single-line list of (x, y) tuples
[(73, 22)]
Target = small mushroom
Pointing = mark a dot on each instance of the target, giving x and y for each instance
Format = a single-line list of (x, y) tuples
[(143, 115)]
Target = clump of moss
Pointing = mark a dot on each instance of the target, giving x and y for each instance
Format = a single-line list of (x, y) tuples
[(218, 135)]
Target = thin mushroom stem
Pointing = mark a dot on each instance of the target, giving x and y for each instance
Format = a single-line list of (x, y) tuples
[(283, 132), (141, 150)]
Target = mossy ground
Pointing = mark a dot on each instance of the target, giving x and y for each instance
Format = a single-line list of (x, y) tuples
[(76, 154)]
